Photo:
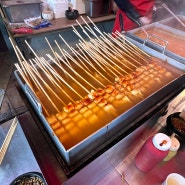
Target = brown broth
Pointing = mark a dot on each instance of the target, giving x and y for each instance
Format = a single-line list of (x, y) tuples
[(175, 42)]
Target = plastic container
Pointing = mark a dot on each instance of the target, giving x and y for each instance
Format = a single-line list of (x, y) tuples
[(174, 179), (173, 149), (17, 11), (152, 152), (97, 8)]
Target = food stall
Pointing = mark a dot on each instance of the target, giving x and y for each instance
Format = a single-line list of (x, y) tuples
[(92, 108)]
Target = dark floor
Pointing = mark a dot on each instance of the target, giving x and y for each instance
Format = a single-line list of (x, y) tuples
[(9, 107)]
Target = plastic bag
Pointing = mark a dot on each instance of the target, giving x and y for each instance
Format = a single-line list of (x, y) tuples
[(37, 22)]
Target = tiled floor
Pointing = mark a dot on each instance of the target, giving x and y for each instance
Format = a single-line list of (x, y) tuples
[(6, 66), (6, 62), (10, 100)]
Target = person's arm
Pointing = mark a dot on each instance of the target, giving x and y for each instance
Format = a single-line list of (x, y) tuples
[(128, 8)]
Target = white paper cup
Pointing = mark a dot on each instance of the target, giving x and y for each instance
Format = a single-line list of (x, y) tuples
[(48, 15), (174, 179)]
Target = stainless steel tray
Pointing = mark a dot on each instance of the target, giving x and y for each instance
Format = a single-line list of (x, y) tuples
[(117, 128), (161, 44), (173, 23)]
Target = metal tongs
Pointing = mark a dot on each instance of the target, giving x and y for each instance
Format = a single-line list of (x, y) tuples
[(167, 8), (7, 140)]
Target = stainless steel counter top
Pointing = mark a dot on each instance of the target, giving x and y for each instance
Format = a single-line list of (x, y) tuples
[(117, 163), (105, 169), (19, 158)]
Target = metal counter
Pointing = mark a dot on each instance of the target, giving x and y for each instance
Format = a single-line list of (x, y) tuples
[(118, 162)]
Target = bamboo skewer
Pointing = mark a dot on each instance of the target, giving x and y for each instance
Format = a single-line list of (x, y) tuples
[(22, 74), (46, 71), (76, 32), (128, 54), (7, 140), (138, 49), (46, 85), (53, 71), (93, 33), (85, 58), (113, 57), (54, 81), (131, 50), (41, 87), (91, 39), (62, 53), (20, 61), (49, 56), (169, 10), (20, 71), (101, 64), (89, 28), (101, 57), (105, 52), (44, 82), (76, 73), (73, 51), (84, 31), (134, 50), (79, 75), (93, 55), (93, 58), (51, 48), (110, 47), (89, 74)]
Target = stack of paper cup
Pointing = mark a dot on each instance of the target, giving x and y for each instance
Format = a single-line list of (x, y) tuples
[(174, 179)]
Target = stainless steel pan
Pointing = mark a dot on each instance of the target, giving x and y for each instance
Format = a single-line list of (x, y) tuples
[(119, 127)]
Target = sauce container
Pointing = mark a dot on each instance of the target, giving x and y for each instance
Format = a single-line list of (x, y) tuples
[(175, 144), (154, 150)]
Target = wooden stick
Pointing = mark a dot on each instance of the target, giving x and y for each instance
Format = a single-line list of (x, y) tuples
[(8, 139), (53, 71), (89, 28), (51, 48), (73, 51), (62, 53), (128, 54), (137, 48), (76, 73), (82, 86), (84, 31), (58, 85), (26, 75), (131, 49), (115, 58), (41, 88), (85, 58), (102, 59), (89, 74)]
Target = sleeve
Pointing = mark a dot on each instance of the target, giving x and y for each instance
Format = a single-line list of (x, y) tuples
[(128, 8)]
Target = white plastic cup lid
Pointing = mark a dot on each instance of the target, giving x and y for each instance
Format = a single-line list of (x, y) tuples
[(161, 141)]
